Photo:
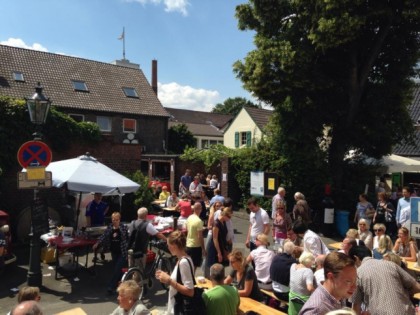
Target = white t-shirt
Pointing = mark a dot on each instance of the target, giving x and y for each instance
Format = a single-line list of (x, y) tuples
[(262, 258), (187, 280), (312, 243), (258, 220), (319, 276)]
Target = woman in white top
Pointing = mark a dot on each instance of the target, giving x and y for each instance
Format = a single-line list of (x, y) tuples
[(176, 245), (364, 234)]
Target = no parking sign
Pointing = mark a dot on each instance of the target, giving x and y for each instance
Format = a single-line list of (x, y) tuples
[(34, 153)]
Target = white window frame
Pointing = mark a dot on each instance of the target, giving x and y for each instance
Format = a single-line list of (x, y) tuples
[(18, 76), (129, 131), (130, 92), (79, 85), (102, 120)]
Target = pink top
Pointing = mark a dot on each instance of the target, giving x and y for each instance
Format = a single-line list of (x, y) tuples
[(185, 208)]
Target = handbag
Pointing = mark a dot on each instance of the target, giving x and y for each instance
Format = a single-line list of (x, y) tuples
[(189, 305)]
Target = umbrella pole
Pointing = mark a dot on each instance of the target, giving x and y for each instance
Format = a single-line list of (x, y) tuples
[(78, 211)]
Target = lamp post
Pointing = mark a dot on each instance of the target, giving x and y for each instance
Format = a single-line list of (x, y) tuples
[(38, 107)]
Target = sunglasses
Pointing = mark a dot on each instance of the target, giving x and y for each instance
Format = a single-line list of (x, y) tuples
[(362, 224), (378, 230)]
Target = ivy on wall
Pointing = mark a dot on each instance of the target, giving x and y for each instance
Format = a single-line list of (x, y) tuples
[(59, 130)]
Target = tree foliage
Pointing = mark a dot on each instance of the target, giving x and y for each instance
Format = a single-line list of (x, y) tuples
[(59, 131), (144, 195), (337, 72), (180, 138), (233, 106)]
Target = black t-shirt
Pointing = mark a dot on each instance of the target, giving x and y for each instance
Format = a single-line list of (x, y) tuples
[(116, 241), (249, 274), (280, 268)]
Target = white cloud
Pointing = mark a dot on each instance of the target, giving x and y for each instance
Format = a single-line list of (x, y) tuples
[(17, 42), (170, 5), (187, 97)]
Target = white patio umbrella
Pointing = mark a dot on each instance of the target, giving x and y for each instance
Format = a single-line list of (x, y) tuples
[(86, 174)]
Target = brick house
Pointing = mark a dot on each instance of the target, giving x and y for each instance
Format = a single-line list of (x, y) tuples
[(116, 96)]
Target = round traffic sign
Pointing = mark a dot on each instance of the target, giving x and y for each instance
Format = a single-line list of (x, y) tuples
[(34, 153)]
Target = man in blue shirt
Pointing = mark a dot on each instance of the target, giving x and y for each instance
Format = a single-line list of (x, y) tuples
[(185, 183), (404, 208), (96, 211)]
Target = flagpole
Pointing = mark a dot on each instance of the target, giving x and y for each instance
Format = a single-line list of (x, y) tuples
[(123, 38), (123, 43)]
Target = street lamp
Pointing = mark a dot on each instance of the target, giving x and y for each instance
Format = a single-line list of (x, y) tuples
[(38, 107)]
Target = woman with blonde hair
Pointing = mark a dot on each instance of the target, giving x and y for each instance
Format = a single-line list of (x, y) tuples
[(281, 224), (405, 246), (301, 282), (115, 238), (384, 245), (243, 276), (177, 243)]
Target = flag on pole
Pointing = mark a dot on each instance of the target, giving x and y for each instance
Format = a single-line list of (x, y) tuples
[(122, 35)]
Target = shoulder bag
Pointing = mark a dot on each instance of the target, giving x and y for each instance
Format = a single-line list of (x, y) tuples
[(189, 305)]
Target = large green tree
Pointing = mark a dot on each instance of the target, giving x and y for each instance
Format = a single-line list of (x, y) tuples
[(336, 72), (233, 106), (180, 138)]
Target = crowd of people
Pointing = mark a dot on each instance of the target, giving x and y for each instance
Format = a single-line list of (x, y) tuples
[(300, 270)]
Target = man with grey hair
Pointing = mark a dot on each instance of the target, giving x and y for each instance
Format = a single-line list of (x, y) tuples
[(140, 231), (222, 298), (280, 271), (27, 308), (281, 193)]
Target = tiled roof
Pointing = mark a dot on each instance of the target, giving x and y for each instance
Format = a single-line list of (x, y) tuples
[(56, 72), (259, 115), (405, 149), (200, 129), (197, 117)]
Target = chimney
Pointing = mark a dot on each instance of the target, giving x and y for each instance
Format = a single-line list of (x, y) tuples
[(154, 76)]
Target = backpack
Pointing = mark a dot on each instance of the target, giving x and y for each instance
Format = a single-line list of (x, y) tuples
[(139, 238)]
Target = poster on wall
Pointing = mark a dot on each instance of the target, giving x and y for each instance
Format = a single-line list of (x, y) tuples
[(257, 184)]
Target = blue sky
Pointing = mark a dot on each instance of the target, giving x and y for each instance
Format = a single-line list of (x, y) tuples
[(195, 41)]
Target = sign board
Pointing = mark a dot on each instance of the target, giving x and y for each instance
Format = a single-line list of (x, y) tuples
[(34, 153), (257, 184), (30, 183), (415, 217), (39, 216), (264, 184)]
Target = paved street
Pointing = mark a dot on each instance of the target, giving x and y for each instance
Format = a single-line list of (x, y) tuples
[(88, 291)]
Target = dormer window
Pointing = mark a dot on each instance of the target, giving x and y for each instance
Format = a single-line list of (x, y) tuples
[(130, 92), (18, 76), (80, 86)]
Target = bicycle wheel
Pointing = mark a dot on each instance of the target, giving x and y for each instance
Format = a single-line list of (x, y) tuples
[(166, 267), (136, 275)]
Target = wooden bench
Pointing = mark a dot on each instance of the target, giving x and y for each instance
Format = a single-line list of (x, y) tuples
[(272, 295), (248, 304)]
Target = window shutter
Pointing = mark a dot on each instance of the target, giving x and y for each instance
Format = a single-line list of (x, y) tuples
[(248, 138), (236, 139)]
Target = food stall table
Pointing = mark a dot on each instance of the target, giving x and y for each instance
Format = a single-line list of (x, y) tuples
[(76, 243)]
